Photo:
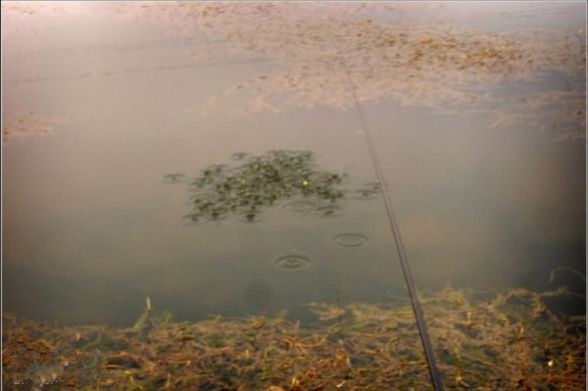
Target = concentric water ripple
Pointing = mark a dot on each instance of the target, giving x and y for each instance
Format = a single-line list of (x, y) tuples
[(292, 262), (302, 206), (350, 240)]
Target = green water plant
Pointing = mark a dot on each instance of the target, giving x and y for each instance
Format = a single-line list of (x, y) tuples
[(256, 182)]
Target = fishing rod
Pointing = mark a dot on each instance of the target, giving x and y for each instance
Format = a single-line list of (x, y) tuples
[(408, 278)]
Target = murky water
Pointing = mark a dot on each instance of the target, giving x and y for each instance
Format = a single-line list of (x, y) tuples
[(212, 157)]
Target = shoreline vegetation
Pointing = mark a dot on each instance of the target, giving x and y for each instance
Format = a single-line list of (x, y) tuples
[(482, 340)]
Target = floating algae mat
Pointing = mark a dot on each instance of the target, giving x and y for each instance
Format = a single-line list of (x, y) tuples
[(255, 183), (508, 340)]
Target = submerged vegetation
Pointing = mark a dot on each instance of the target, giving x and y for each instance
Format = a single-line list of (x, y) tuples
[(483, 341), (258, 182)]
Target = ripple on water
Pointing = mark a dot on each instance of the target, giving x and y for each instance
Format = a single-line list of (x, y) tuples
[(350, 240), (292, 262), (329, 210), (302, 206)]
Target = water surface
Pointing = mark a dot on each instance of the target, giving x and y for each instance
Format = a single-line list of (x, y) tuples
[(481, 141)]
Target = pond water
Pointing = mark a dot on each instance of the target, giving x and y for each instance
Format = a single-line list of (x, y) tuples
[(117, 116)]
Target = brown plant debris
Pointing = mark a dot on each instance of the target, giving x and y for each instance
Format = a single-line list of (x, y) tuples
[(508, 341)]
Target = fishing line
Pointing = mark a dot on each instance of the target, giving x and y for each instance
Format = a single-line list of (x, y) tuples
[(416, 305)]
